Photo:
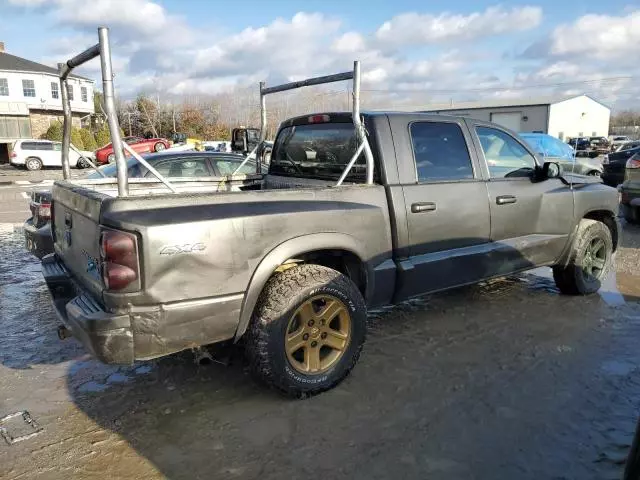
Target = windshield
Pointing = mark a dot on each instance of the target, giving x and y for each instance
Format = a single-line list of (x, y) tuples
[(320, 151)]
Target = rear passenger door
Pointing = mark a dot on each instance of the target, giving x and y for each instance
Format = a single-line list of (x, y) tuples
[(50, 157), (447, 210), (530, 219)]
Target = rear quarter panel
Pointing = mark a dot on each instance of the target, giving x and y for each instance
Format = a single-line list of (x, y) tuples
[(203, 246)]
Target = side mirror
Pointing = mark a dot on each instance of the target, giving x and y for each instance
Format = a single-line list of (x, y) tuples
[(551, 170)]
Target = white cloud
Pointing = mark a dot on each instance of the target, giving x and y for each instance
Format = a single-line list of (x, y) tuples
[(599, 36), (157, 50), (349, 42), (416, 29)]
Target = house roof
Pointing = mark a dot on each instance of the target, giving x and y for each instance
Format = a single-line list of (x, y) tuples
[(12, 63), (503, 102), (494, 103)]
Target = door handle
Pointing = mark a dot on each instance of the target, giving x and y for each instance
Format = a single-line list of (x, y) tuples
[(423, 207), (504, 199)]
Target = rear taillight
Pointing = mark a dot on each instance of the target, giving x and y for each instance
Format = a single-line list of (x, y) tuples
[(13, 155), (119, 257), (634, 162), (319, 119), (44, 211)]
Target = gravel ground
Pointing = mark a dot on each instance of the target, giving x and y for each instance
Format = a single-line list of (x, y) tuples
[(507, 379)]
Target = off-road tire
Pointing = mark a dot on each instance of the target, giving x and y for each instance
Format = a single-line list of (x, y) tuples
[(33, 163), (570, 279), (265, 338), (631, 214)]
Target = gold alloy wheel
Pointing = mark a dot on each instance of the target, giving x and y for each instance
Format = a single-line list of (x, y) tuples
[(318, 334)]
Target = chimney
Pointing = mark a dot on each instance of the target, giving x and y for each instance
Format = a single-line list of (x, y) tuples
[(1, 47)]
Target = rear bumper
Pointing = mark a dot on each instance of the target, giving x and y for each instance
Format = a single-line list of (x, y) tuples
[(142, 332), (38, 241), (108, 336)]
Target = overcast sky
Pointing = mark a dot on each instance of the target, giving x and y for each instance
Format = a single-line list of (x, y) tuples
[(458, 50)]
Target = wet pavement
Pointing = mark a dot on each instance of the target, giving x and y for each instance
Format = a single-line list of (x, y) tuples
[(507, 379)]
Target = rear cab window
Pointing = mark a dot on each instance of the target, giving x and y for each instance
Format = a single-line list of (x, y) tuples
[(318, 151), (440, 151)]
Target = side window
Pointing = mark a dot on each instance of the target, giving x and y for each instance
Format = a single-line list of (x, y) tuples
[(57, 146), (440, 152), (226, 167), (183, 167), (505, 157)]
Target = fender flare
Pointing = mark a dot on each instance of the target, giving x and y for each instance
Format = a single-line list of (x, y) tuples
[(286, 250)]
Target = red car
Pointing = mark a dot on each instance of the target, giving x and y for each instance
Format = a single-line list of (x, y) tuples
[(138, 144)]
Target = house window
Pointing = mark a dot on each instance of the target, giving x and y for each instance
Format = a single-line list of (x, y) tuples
[(28, 88), (4, 87), (83, 94), (70, 91), (55, 90)]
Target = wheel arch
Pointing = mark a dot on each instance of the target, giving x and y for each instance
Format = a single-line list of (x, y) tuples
[(319, 248)]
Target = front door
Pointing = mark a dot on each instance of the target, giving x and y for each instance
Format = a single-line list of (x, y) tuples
[(530, 220), (447, 211)]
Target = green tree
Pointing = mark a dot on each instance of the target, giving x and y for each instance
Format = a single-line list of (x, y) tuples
[(88, 140), (76, 138), (54, 132), (103, 136)]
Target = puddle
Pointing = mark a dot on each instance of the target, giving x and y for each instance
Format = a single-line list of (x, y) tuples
[(617, 367), (617, 289)]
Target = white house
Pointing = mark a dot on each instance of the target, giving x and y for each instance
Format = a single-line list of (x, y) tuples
[(30, 99), (562, 117)]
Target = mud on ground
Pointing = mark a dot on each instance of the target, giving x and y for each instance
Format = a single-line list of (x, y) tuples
[(507, 379)]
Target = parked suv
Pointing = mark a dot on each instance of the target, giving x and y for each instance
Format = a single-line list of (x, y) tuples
[(36, 154)]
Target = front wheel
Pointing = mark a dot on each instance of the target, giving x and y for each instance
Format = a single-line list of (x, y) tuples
[(589, 260), (307, 330), (82, 163), (111, 158), (158, 147)]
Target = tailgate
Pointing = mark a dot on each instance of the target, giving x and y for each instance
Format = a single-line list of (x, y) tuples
[(76, 227)]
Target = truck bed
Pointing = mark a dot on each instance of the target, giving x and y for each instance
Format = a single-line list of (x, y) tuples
[(200, 248)]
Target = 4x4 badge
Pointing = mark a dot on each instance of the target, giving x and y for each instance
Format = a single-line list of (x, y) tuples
[(184, 248)]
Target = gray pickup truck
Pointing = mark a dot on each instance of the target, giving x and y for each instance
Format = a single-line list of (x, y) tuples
[(356, 211)]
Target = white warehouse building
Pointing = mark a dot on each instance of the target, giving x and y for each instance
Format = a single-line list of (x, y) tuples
[(561, 117)]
